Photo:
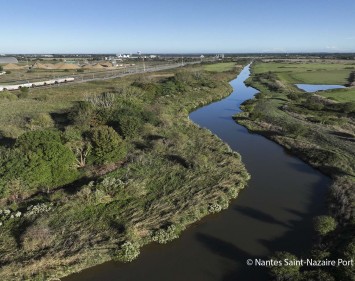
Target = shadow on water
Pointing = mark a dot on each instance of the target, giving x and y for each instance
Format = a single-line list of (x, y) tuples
[(297, 238), (259, 215), (229, 251)]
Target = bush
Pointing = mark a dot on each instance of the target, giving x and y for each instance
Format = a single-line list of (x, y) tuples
[(7, 96), (129, 126), (129, 252), (50, 165), (285, 272), (130, 119), (23, 94), (107, 145), (294, 96), (324, 224), (83, 114), (40, 121), (296, 130), (40, 160), (214, 208), (32, 140), (349, 107), (163, 236), (24, 90), (313, 103)]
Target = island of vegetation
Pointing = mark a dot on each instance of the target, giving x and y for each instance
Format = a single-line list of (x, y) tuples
[(319, 128), (92, 172)]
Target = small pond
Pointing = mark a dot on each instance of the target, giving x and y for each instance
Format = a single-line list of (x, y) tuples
[(314, 88)]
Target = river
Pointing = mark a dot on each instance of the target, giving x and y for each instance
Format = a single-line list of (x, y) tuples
[(274, 212)]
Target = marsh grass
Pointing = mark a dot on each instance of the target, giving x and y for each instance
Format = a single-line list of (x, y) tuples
[(174, 174), (318, 130)]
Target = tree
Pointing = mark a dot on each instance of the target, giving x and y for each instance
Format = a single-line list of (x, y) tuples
[(1, 68), (80, 147), (324, 224)]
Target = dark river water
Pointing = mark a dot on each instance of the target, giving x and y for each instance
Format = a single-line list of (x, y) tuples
[(274, 212)]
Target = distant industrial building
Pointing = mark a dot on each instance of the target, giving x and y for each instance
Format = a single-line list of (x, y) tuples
[(6, 60)]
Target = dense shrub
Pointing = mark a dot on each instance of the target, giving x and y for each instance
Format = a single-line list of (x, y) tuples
[(283, 271), (214, 208), (33, 139), (349, 107), (163, 236), (129, 251), (107, 145), (313, 103), (130, 118), (40, 121), (296, 130), (6, 95), (324, 224), (129, 126), (40, 160), (294, 96), (82, 114)]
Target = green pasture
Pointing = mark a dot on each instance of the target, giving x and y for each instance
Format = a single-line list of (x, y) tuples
[(341, 95), (308, 73)]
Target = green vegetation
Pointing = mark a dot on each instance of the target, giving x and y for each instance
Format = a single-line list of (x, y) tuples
[(319, 128), (324, 224), (38, 161), (308, 73), (340, 95), (95, 171), (107, 146), (285, 272), (222, 67)]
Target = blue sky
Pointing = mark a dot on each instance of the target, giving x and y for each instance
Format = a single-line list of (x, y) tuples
[(164, 26)]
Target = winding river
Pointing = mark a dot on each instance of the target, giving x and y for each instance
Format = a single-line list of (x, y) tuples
[(273, 213)]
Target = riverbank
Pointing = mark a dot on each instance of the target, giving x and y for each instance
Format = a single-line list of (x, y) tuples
[(168, 180), (319, 131)]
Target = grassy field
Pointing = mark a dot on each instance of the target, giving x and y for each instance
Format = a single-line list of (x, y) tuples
[(222, 67), (309, 73), (320, 129), (167, 179), (340, 95), (16, 111)]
